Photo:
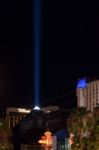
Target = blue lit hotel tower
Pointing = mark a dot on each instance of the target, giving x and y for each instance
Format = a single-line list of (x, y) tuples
[(87, 94)]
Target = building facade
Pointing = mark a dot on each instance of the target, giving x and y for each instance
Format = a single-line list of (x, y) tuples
[(14, 115), (88, 94)]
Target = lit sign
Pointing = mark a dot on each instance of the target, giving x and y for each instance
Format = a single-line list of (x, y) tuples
[(23, 110), (46, 139)]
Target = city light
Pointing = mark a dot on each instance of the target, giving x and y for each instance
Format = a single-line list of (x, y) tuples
[(46, 140), (36, 108)]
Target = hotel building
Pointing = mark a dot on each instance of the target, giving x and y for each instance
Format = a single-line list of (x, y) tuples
[(15, 115), (88, 94)]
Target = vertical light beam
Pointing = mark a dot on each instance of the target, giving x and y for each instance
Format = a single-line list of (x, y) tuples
[(37, 48)]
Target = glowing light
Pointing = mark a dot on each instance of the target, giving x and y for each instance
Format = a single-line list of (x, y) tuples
[(36, 108), (19, 110), (81, 83), (24, 110), (46, 140), (36, 48)]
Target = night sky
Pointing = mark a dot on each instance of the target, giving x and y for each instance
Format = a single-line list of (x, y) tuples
[(69, 49)]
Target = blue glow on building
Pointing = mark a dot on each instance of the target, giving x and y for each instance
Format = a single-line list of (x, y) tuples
[(81, 83), (37, 48)]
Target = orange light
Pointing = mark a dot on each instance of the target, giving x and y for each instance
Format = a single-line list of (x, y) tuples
[(46, 140), (42, 141)]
